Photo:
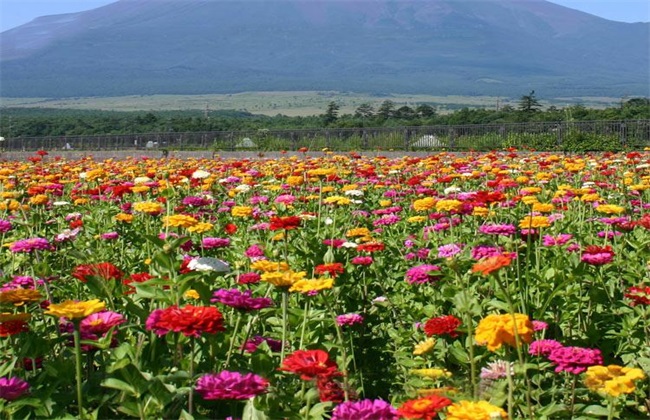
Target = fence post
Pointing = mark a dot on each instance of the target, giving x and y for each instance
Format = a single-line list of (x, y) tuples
[(623, 135), (560, 130), (407, 138)]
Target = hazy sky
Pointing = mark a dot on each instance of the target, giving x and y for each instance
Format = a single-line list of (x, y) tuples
[(17, 12)]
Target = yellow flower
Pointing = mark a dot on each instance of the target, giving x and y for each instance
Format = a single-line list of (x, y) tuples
[(610, 209), (200, 227), (479, 410), (448, 205), (424, 347), (140, 188), (75, 310), (357, 232), (295, 181), (179, 220), (93, 174), (433, 373), (80, 201), (529, 200), (241, 211), (416, 219), (124, 217), (191, 294), (337, 199), (278, 236), (480, 211), (424, 204), (495, 330), (613, 380), (7, 316), (267, 266), (39, 199), (312, 285), (283, 278), (530, 190), (590, 198), (543, 207), (147, 207), (20, 296), (9, 205), (385, 203), (321, 172), (534, 222)]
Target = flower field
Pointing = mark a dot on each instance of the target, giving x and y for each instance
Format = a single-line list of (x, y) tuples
[(467, 286)]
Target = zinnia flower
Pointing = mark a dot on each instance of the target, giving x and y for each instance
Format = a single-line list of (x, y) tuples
[(424, 273), (191, 321), (479, 410), (12, 388), (543, 347), (349, 319), (74, 309), (575, 359), (31, 244), (103, 270), (19, 297), (446, 324), (640, 295), (612, 380), (495, 330), (240, 300), (310, 364), (286, 223), (12, 324), (365, 410), (597, 255), (332, 269), (491, 264), (227, 385), (426, 408)]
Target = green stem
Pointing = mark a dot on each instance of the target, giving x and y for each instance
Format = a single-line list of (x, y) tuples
[(305, 320), (232, 339), (190, 400), (285, 305), (511, 387), (77, 359), (610, 408)]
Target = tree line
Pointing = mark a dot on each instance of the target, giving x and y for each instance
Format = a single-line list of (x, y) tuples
[(34, 122)]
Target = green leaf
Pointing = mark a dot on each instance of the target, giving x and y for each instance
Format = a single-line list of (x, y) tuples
[(596, 410), (252, 413), (120, 385)]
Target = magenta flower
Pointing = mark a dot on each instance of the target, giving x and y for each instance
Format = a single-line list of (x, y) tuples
[(424, 273), (361, 260), (543, 347), (349, 319), (252, 344), (539, 325), (254, 251), (449, 250), (485, 251), (597, 255), (498, 229), (31, 244), (5, 226), (365, 410), (249, 278), (209, 243), (561, 239), (575, 359), (227, 385), (109, 236), (195, 201), (386, 220), (12, 388), (243, 301)]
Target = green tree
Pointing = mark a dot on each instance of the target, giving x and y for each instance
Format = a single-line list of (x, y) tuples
[(425, 111), (364, 111), (529, 104), (331, 114), (386, 109)]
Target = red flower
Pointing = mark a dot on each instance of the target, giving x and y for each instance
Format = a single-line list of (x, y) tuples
[(230, 228), (286, 223), (331, 390), (76, 223), (425, 408), (310, 364), (371, 247), (12, 327), (42, 153), (333, 269), (135, 278), (446, 324), (640, 295), (104, 270), (644, 221), (191, 321)]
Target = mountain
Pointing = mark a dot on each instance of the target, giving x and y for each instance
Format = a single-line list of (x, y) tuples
[(443, 47)]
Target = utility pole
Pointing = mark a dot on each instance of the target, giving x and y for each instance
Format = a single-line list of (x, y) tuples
[(205, 114)]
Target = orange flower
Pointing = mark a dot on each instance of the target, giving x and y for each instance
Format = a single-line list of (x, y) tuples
[(487, 265)]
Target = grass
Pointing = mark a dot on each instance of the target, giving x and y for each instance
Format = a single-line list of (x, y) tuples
[(285, 103)]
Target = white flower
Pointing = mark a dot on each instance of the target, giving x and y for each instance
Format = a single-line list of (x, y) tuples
[(355, 193), (60, 203), (328, 221), (208, 264), (243, 188), (349, 245), (200, 174), (643, 166), (452, 189), (141, 180)]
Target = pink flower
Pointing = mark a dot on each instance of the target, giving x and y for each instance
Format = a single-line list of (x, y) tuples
[(597, 255), (498, 229), (543, 347), (575, 359), (424, 273), (558, 240), (349, 319), (31, 244), (12, 388), (227, 385), (449, 251), (209, 243), (361, 260)]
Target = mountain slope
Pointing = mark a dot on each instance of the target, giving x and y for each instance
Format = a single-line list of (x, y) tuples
[(500, 47)]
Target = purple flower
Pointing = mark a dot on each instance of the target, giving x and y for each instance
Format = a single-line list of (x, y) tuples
[(424, 273), (543, 347), (349, 319), (5, 226), (30, 244), (209, 243), (498, 229), (575, 359), (252, 344), (109, 236), (243, 301), (561, 239), (365, 410), (449, 250), (12, 388), (196, 201), (227, 385)]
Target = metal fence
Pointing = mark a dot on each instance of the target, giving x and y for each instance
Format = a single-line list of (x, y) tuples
[(536, 135)]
